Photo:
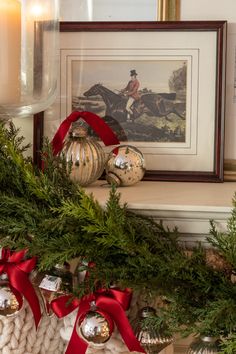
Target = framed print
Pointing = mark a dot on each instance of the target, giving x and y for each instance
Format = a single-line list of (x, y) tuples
[(176, 115)]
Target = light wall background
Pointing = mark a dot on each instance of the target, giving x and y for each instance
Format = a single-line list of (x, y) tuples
[(220, 10), (108, 10)]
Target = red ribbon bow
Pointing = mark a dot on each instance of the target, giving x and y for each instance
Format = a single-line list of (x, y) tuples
[(17, 271), (95, 122), (114, 302)]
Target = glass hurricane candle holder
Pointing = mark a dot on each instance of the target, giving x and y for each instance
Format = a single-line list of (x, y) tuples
[(29, 31)]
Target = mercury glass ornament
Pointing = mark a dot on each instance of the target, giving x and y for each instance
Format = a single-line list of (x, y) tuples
[(85, 155), (63, 271), (8, 302), (125, 166), (204, 345), (152, 341), (95, 328), (50, 288)]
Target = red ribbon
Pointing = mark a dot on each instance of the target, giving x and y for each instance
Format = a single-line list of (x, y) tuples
[(114, 302), (17, 271), (95, 122)]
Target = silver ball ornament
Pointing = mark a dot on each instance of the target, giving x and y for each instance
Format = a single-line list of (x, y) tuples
[(94, 328), (9, 304), (125, 166)]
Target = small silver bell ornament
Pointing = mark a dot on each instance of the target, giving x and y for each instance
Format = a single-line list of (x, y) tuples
[(85, 155), (151, 340), (125, 166)]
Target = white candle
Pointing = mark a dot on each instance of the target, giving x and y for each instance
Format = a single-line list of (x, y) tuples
[(10, 51)]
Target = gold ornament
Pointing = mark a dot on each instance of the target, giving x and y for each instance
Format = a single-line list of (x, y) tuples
[(94, 328), (9, 304), (152, 341), (85, 155), (125, 166), (204, 345)]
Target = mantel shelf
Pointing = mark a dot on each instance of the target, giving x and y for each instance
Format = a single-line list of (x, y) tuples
[(189, 206), (172, 195)]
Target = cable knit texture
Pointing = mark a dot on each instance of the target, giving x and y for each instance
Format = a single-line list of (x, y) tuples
[(18, 334)]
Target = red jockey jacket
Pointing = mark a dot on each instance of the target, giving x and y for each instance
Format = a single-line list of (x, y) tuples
[(132, 89)]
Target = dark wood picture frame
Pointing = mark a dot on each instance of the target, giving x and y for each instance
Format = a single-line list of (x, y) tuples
[(219, 27), (38, 132)]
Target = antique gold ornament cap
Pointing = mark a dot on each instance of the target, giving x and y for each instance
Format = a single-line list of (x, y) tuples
[(79, 132)]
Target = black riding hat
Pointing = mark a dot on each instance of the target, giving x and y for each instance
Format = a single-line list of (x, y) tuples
[(133, 72)]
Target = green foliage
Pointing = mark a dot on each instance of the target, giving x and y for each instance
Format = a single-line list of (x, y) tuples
[(228, 345), (45, 212), (160, 323), (225, 242)]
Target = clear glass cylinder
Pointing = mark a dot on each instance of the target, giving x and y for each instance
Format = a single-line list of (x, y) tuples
[(29, 33)]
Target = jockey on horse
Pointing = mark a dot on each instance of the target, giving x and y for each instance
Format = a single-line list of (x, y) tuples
[(131, 90)]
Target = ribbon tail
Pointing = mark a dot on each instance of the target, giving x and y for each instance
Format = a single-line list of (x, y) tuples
[(21, 283), (57, 141), (77, 344), (117, 313)]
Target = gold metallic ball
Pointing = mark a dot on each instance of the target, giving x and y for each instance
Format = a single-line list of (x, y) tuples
[(8, 302), (94, 328), (85, 156), (125, 166)]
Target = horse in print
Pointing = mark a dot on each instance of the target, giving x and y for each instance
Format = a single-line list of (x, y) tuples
[(159, 105), (115, 103)]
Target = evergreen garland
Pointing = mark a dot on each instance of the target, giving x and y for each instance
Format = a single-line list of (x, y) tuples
[(45, 212)]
